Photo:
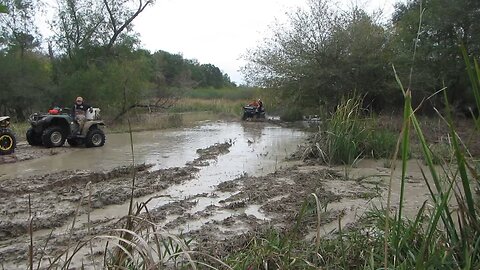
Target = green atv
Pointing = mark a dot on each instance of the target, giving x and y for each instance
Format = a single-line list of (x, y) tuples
[(7, 138), (52, 130)]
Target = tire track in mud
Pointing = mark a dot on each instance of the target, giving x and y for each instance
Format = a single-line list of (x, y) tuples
[(56, 198), (218, 221), (250, 204)]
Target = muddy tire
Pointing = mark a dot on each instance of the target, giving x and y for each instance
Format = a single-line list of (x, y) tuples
[(53, 137), (7, 142), (75, 142), (95, 138), (32, 138)]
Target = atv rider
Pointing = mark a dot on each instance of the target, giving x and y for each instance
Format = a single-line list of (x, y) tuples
[(79, 112), (258, 104), (260, 108)]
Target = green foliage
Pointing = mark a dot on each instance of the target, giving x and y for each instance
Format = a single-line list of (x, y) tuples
[(94, 54), (345, 132), (321, 55), (25, 83), (174, 70), (271, 250), (219, 106), (349, 134), (222, 93), (380, 143), (291, 113), (18, 30), (3, 9), (445, 26)]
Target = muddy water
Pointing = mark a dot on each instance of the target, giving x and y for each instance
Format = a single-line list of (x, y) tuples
[(257, 149), (257, 145)]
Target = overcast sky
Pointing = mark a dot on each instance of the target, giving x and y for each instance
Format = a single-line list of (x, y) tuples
[(219, 31)]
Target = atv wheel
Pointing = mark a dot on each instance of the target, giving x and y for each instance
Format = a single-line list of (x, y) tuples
[(75, 142), (32, 138), (95, 138), (53, 137), (7, 142)]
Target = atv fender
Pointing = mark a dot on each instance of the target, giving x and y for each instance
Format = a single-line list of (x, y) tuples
[(91, 125), (53, 121)]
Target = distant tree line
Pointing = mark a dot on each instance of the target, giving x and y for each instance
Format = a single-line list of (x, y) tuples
[(322, 54), (94, 53)]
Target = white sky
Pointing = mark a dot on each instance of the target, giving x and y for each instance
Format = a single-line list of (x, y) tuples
[(219, 31)]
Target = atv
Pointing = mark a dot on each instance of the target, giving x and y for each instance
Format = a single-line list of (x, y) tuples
[(58, 126), (7, 138), (253, 113)]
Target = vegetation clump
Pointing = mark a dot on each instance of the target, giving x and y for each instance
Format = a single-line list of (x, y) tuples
[(350, 134)]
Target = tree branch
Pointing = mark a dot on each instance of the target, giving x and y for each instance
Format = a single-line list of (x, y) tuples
[(117, 32)]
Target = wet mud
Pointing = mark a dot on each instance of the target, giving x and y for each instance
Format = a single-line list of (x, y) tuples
[(51, 200), (223, 193), (25, 152)]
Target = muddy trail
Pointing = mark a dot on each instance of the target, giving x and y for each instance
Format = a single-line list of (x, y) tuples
[(217, 184), (90, 188)]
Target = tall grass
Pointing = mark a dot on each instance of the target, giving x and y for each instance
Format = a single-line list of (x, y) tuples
[(345, 132), (195, 100), (218, 106), (223, 93), (350, 134)]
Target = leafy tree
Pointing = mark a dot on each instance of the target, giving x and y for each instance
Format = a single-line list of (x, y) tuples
[(438, 63), (25, 83), (23, 71), (78, 25), (213, 76), (17, 27), (81, 24), (3, 8), (322, 54)]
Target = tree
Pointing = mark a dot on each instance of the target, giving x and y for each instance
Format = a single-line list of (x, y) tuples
[(321, 54), (81, 24), (213, 76), (17, 27), (24, 73), (120, 17), (78, 25), (25, 83), (445, 26), (3, 8)]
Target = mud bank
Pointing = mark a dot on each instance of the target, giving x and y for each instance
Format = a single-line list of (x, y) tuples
[(234, 185), (52, 202), (25, 152)]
